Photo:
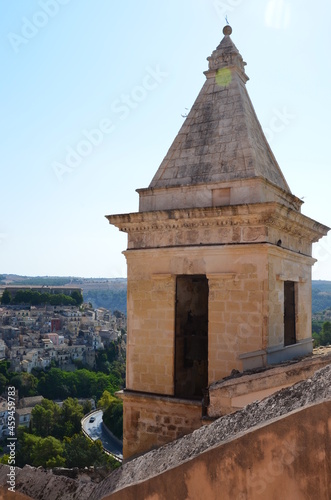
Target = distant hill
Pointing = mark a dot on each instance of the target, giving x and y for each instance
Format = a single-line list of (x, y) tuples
[(111, 292), (321, 295), (14, 279)]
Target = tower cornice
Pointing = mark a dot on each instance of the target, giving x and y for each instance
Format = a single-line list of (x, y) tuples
[(260, 222)]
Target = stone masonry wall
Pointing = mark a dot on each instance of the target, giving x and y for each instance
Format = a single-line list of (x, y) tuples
[(237, 311), (152, 421), (283, 266), (150, 346)]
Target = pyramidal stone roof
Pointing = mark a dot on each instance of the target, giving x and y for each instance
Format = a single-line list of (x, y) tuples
[(221, 139)]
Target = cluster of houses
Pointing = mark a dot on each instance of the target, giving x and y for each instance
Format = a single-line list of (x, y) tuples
[(34, 336)]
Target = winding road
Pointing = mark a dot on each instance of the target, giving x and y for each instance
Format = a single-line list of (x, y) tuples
[(96, 431)]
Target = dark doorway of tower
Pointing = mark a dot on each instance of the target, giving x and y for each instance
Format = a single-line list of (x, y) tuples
[(191, 336)]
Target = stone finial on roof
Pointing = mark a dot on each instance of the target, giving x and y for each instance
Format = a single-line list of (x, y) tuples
[(226, 55), (227, 30)]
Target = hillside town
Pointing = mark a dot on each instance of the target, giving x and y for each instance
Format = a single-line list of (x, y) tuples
[(41, 335), (38, 337)]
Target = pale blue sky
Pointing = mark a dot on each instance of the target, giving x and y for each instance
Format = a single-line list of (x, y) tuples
[(130, 69)]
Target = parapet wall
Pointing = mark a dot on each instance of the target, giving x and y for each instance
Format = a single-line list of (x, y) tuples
[(279, 447), (288, 458)]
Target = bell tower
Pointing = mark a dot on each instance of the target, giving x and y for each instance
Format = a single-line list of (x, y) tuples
[(219, 262)]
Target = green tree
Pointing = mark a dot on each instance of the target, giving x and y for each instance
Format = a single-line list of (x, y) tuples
[(113, 418), (84, 380), (36, 298), (4, 459), (87, 406), (46, 418), (42, 421), (26, 443), (317, 326), (56, 384), (317, 339), (118, 371), (104, 382), (326, 333), (71, 416), (105, 400), (81, 452), (48, 452), (6, 298), (22, 297), (77, 297), (25, 383), (101, 361), (4, 367), (3, 383)]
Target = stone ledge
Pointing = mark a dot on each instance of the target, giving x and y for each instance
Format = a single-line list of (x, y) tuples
[(226, 396), (127, 394)]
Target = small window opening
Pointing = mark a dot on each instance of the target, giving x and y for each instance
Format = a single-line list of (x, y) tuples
[(289, 313)]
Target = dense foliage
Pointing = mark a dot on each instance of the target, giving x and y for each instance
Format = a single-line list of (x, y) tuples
[(35, 298), (4, 368), (110, 294), (6, 298), (49, 452), (113, 418), (37, 451), (112, 413), (323, 337), (54, 439), (81, 452), (111, 360), (25, 383), (48, 419), (317, 326), (56, 383)]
